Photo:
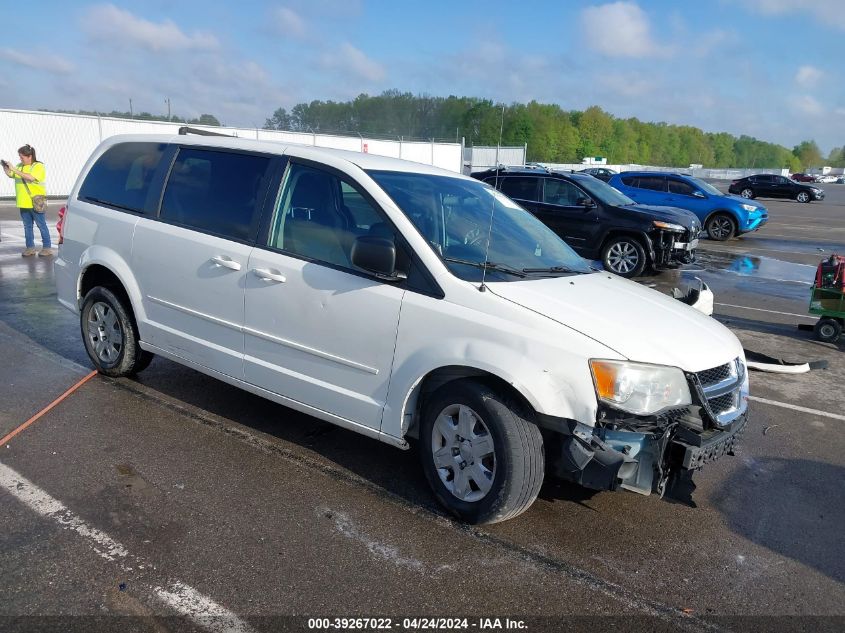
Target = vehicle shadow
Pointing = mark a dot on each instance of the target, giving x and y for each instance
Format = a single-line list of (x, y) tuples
[(795, 507)]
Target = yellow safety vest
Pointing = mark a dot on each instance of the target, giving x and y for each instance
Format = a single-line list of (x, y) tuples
[(36, 188)]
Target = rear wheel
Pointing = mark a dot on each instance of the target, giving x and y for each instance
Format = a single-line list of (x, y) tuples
[(828, 330), (803, 196), (747, 193), (624, 255), (720, 227), (110, 335), (481, 454)]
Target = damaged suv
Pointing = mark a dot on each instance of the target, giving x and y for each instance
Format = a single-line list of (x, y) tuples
[(599, 222), (400, 301)]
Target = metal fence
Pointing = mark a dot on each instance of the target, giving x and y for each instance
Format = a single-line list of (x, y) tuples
[(480, 157), (710, 173), (63, 142)]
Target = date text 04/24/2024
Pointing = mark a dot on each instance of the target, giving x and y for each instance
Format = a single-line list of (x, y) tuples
[(416, 624)]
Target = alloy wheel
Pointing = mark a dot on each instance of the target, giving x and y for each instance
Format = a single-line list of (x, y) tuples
[(720, 228), (622, 257), (747, 193)]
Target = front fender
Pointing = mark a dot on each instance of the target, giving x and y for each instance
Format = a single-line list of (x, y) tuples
[(547, 363)]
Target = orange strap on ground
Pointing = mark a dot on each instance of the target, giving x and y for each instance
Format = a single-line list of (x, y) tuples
[(34, 418)]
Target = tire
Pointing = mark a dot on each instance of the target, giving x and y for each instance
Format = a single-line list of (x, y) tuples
[(828, 330), (497, 479), (624, 256), (747, 193), (720, 227), (802, 196), (110, 335)]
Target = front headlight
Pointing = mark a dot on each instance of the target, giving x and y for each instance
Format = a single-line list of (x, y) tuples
[(668, 226), (639, 388), (750, 207)]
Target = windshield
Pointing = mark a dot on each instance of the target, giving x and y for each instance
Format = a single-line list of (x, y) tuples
[(605, 193), (453, 214), (706, 186)]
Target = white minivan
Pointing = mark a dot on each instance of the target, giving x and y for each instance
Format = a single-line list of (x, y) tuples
[(400, 301)]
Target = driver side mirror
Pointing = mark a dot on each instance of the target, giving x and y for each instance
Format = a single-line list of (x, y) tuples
[(376, 255), (587, 203), (698, 194)]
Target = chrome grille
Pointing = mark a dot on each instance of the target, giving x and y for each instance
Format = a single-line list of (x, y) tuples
[(716, 375), (720, 404), (726, 390)]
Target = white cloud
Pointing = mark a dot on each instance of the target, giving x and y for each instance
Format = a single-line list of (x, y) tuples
[(620, 29), (808, 76), (807, 105), (108, 22), (43, 61), (288, 22), (827, 12), (350, 59)]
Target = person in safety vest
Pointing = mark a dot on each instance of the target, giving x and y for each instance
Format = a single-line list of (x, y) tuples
[(29, 176)]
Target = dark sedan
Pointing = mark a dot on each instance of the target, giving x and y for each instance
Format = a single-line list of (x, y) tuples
[(771, 186), (803, 178), (602, 173)]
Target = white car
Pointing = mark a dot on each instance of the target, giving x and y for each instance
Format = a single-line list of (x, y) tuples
[(400, 301), (826, 179)]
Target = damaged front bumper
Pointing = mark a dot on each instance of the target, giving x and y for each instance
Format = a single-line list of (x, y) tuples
[(669, 249), (658, 453)]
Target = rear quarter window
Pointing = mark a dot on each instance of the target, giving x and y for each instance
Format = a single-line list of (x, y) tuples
[(122, 177)]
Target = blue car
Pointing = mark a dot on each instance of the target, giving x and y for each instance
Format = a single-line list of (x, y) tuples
[(723, 215)]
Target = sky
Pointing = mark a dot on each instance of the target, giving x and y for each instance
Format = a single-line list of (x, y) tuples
[(772, 69)]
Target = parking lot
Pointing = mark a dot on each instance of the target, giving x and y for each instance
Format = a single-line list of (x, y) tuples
[(177, 496)]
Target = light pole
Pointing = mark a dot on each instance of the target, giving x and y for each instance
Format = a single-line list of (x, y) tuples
[(167, 101)]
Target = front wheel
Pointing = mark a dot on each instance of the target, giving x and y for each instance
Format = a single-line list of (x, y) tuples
[(828, 330), (747, 193), (720, 227), (803, 196), (481, 454), (624, 256), (110, 335)]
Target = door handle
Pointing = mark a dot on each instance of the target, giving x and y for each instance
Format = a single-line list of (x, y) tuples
[(226, 262), (269, 275)]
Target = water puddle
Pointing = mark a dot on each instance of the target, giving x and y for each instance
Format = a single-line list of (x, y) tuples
[(758, 267)]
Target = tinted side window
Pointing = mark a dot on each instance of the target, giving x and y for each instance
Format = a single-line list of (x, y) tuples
[(681, 187), (763, 178), (629, 181), (781, 180), (520, 188), (561, 192), (121, 177), (217, 192), (655, 183)]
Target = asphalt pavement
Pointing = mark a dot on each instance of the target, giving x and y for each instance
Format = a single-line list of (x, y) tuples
[(176, 502)]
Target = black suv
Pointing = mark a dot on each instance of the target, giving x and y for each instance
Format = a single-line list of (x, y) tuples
[(769, 186), (599, 222)]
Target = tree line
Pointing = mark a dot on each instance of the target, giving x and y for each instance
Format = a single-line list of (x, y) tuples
[(552, 134)]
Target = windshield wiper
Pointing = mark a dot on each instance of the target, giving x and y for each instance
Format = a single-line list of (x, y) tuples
[(552, 269), (487, 266)]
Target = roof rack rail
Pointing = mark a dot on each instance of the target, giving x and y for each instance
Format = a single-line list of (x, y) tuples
[(185, 130)]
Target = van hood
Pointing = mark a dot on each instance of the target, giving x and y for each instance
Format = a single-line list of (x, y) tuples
[(636, 322), (669, 214)]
